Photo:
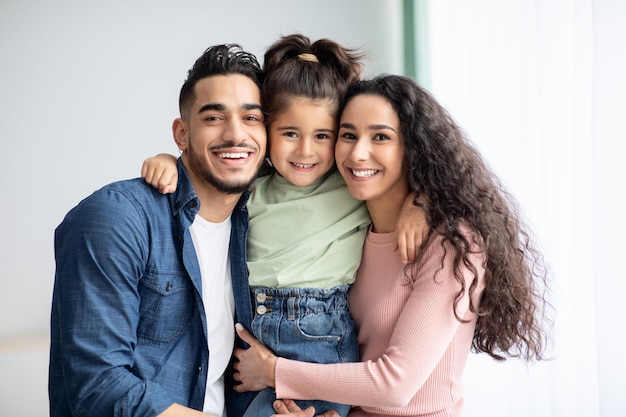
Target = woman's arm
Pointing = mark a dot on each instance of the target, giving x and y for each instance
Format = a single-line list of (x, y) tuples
[(424, 330)]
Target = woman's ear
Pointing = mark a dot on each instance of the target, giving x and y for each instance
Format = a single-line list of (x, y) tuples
[(180, 132)]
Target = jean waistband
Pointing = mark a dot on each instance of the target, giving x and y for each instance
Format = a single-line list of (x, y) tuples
[(299, 300)]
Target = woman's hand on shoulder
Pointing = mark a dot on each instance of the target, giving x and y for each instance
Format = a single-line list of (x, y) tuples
[(161, 172)]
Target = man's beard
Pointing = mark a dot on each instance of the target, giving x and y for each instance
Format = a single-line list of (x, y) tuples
[(196, 164)]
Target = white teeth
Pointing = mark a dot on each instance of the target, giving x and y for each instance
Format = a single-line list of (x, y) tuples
[(235, 155), (302, 166), (364, 173)]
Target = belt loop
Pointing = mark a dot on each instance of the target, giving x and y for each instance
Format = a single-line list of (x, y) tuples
[(291, 307)]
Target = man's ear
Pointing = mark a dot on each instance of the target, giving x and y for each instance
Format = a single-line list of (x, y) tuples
[(180, 132)]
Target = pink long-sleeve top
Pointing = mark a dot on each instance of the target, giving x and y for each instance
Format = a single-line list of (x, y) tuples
[(413, 348)]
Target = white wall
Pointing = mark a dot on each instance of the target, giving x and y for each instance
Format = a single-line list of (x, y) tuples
[(609, 84), (88, 90), (540, 87)]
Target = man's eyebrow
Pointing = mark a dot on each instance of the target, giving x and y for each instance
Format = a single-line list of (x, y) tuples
[(221, 107), (212, 107), (252, 106)]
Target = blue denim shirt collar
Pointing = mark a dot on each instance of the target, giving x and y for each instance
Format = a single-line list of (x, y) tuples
[(185, 194)]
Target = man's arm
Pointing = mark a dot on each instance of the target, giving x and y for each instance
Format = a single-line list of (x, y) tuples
[(101, 250)]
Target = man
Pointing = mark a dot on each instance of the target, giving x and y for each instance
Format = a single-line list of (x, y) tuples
[(142, 311)]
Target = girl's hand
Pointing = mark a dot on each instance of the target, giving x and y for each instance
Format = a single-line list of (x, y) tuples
[(412, 229), (255, 366), (161, 172)]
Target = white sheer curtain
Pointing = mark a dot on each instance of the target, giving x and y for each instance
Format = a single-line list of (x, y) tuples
[(523, 78)]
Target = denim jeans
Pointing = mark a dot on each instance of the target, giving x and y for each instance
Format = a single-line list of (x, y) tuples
[(304, 324)]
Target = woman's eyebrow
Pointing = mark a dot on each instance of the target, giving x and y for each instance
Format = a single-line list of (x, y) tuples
[(370, 127), (380, 127)]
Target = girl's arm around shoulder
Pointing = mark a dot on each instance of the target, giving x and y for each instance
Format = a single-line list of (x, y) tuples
[(161, 172), (412, 228)]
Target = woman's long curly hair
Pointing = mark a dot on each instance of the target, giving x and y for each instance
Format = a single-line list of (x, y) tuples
[(451, 175)]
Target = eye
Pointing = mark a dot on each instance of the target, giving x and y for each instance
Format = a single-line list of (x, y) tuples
[(323, 136), (212, 118), (253, 118), (380, 137), (290, 134), (345, 135)]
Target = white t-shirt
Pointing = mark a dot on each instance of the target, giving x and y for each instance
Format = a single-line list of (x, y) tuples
[(211, 241)]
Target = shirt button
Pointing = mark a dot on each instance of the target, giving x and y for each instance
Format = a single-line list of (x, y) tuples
[(261, 297), (261, 309)]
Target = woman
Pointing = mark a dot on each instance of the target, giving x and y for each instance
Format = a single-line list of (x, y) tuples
[(478, 281)]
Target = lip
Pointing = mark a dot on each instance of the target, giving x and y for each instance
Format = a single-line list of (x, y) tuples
[(234, 157), (302, 167), (362, 174)]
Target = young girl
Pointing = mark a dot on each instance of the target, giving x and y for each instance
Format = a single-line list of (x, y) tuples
[(478, 281), (306, 231)]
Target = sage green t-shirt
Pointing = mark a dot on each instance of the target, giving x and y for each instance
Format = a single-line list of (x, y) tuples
[(304, 236)]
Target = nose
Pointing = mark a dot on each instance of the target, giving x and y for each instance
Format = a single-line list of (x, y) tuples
[(305, 147), (360, 150), (234, 130)]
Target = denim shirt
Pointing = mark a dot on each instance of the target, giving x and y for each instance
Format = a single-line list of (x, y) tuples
[(128, 327)]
